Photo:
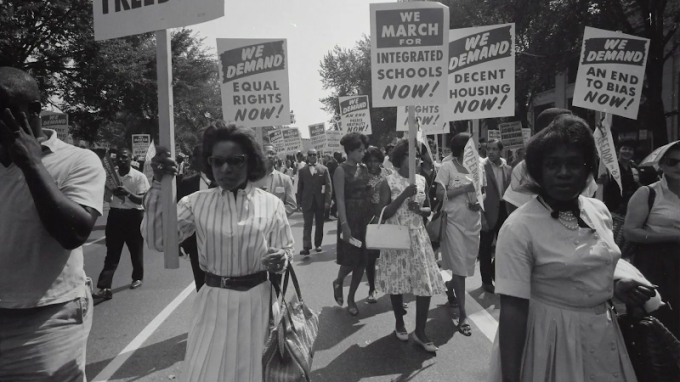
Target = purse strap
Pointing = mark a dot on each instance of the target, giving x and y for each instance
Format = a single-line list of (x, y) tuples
[(381, 216)]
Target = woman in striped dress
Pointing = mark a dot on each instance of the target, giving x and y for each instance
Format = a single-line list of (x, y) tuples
[(242, 233)]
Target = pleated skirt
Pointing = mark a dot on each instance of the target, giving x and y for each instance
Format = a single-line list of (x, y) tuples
[(227, 335)]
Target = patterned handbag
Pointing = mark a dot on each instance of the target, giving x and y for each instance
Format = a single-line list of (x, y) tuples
[(289, 350)]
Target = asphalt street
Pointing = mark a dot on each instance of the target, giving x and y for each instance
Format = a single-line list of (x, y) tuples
[(140, 335)]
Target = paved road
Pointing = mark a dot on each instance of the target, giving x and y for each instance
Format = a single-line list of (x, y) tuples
[(129, 342)]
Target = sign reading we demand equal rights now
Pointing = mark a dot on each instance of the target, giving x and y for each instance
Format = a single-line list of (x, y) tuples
[(409, 50), (481, 72), (355, 114), (611, 72), (254, 81)]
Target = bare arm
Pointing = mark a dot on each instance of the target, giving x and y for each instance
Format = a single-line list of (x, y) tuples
[(512, 326), (638, 211), (339, 183), (385, 197)]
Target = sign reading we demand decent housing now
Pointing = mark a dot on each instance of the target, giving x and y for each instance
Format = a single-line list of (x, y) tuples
[(355, 114), (481, 72), (611, 72), (409, 50), (254, 81)]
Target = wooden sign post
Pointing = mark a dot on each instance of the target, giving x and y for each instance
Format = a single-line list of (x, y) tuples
[(412, 132)]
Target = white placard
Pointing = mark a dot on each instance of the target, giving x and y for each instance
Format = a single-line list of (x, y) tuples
[(333, 138), (355, 114), (254, 81), (475, 169), (140, 145), (317, 133), (430, 118), (481, 72), (611, 72), (118, 18), (511, 134), (409, 51), (606, 149), (526, 134), (493, 134), (286, 141)]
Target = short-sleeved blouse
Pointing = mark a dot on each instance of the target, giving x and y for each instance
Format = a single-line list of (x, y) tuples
[(664, 217)]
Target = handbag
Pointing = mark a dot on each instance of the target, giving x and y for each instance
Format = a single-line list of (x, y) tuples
[(289, 350), (387, 236), (437, 225), (652, 349)]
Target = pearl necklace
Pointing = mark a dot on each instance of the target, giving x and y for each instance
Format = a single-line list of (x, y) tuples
[(568, 220)]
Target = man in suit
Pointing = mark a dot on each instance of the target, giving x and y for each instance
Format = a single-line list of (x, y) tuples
[(314, 191), (188, 186), (498, 175), (276, 182)]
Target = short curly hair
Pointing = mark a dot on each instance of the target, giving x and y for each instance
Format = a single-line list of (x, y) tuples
[(220, 131), (373, 152), (353, 141), (400, 152), (565, 130)]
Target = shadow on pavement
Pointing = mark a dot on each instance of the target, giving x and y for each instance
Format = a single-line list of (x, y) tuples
[(99, 227), (328, 254), (486, 299), (147, 360)]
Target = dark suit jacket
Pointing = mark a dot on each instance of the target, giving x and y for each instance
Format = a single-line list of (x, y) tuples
[(332, 166), (310, 187), (492, 201)]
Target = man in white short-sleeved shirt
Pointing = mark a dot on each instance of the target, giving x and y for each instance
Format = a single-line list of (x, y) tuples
[(51, 194), (122, 225)]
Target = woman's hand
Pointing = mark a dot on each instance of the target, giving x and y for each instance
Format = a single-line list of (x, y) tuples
[(632, 292), (474, 206), (414, 206), (162, 164), (275, 261), (409, 191), (346, 232)]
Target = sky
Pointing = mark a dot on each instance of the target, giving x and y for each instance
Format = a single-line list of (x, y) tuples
[(312, 28)]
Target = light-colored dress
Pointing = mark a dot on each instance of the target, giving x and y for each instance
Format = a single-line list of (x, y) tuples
[(411, 271), (461, 241), (568, 277), (233, 233)]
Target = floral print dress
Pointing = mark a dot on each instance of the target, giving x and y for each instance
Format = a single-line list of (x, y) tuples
[(410, 271)]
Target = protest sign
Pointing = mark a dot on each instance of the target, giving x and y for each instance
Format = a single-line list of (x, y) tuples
[(475, 169), (306, 145), (57, 122), (493, 134), (333, 138), (317, 133), (118, 18), (481, 72), (526, 134), (112, 178), (355, 114), (611, 72), (429, 117), (254, 81), (286, 140), (606, 149), (140, 144), (150, 153), (409, 50), (511, 134)]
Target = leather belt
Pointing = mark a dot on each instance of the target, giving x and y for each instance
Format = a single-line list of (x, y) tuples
[(240, 283)]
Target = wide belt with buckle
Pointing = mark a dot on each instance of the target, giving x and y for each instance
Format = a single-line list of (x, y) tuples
[(240, 283)]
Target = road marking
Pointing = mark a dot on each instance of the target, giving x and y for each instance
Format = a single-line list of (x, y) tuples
[(94, 241), (482, 319), (136, 343)]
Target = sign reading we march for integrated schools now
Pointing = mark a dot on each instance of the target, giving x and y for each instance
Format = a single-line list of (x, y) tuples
[(409, 51), (355, 114), (431, 119), (611, 72), (118, 18), (254, 81), (286, 140), (481, 72)]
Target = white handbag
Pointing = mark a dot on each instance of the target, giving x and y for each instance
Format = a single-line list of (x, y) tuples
[(387, 236)]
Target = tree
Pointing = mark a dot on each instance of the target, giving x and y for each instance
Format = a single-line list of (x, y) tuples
[(347, 72)]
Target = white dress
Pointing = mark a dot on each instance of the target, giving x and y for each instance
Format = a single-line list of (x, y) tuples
[(233, 233)]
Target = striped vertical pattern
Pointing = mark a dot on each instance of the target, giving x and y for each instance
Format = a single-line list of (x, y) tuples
[(233, 233)]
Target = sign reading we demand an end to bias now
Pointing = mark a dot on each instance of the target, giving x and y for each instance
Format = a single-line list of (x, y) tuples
[(409, 50), (355, 114), (254, 81), (611, 72), (481, 72)]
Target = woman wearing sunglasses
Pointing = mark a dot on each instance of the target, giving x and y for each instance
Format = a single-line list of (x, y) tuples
[(657, 234), (242, 233)]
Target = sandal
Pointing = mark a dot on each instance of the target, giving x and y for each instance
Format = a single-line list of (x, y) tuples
[(353, 310), (337, 293), (465, 329), (371, 298)]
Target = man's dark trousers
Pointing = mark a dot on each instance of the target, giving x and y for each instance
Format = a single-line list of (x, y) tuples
[(316, 212), (122, 227), (486, 267)]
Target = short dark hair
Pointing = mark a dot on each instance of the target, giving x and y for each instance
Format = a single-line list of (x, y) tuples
[(353, 141), (564, 130), (496, 141), (337, 155), (373, 153), (628, 143), (219, 131), (123, 148), (400, 152), (458, 142), (547, 116)]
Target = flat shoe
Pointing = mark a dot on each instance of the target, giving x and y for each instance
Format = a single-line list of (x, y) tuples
[(429, 347), (465, 329), (371, 299), (402, 336), (337, 293)]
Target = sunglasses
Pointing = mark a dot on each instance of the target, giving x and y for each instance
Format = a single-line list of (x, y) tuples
[(233, 161), (671, 161), (311, 155)]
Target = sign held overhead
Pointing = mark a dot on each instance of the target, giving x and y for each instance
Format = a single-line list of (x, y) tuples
[(355, 114)]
